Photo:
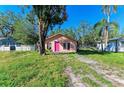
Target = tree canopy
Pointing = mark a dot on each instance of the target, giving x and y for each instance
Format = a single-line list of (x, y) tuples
[(24, 32), (18, 27)]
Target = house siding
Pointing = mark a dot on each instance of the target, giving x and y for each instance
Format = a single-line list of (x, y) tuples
[(61, 40), (116, 45)]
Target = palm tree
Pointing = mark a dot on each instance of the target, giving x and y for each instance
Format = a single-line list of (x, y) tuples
[(113, 30), (107, 10), (99, 29)]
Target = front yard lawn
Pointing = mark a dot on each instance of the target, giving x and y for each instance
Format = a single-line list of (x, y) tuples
[(30, 69)]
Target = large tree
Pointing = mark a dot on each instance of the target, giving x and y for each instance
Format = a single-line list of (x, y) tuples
[(48, 16), (84, 30)]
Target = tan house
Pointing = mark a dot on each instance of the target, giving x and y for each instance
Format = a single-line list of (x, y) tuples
[(61, 44)]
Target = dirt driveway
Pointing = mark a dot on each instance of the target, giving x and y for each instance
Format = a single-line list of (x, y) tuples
[(112, 75)]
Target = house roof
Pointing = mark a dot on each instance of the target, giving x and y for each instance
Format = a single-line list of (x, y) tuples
[(52, 36), (117, 38), (2, 37)]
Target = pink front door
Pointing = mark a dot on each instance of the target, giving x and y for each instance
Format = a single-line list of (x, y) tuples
[(56, 46)]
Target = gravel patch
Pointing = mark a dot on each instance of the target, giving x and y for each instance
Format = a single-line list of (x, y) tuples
[(73, 80)]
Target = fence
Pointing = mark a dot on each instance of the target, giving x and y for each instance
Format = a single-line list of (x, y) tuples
[(18, 48)]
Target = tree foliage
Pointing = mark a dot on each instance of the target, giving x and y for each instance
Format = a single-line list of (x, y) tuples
[(7, 20), (24, 32), (100, 26), (18, 27)]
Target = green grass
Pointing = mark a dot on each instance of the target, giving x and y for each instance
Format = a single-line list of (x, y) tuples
[(113, 59), (90, 82), (32, 70), (108, 58)]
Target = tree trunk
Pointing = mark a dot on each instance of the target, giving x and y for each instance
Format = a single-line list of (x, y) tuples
[(77, 46), (102, 45), (106, 36), (41, 38), (43, 52)]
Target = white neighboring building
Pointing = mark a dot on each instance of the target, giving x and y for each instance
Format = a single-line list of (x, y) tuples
[(8, 44), (114, 45), (100, 46)]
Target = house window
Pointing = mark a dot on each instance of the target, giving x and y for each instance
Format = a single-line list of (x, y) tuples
[(122, 44), (66, 46)]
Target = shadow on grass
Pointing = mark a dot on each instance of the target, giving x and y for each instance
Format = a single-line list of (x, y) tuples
[(51, 53), (89, 52), (81, 52)]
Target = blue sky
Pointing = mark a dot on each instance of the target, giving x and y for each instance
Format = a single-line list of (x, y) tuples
[(76, 14), (91, 14)]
